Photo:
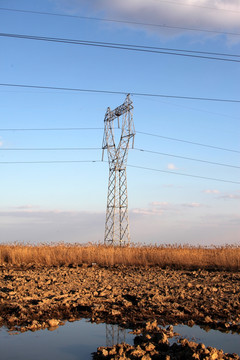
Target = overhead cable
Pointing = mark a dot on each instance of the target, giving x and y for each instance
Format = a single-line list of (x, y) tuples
[(50, 149), (51, 129), (98, 148), (128, 22), (100, 161), (100, 128), (183, 174), (187, 158), (48, 162), (120, 92), (130, 47), (188, 142)]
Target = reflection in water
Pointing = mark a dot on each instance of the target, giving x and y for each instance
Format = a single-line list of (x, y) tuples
[(73, 341), (78, 340), (115, 334), (227, 341)]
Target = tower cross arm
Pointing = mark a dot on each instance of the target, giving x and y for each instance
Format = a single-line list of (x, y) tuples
[(121, 109)]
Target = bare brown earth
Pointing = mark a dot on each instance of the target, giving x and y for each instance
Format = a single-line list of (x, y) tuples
[(152, 343), (40, 297)]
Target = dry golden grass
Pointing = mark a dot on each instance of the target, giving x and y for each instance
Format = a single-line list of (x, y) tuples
[(175, 256)]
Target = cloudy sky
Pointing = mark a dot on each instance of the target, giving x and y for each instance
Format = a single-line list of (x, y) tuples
[(193, 194)]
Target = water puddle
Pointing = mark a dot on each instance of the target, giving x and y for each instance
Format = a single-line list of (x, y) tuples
[(75, 340), (228, 342)]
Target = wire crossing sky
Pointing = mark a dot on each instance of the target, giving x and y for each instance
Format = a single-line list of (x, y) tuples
[(65, 62), (123, 21), (129, 47), (140, 132), (121, 93)]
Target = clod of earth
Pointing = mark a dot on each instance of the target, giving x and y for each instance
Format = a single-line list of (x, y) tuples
[(35, 298), (153, 344)]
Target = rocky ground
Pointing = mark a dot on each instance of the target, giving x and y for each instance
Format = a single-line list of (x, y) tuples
[(35, 298), (152, 343)]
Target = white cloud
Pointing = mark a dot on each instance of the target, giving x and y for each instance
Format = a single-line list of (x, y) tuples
[(214, 191), (159, 203), (156, 208), (34, 212), (211, 228), (153, 224), (230, 197), (159, 208), (193, 205), (140, 211), (26, 207), (203, 14), (171, 167), (1, 142), (46, 226)]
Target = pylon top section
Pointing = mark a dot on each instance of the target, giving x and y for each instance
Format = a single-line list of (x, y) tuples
[(117, 154)]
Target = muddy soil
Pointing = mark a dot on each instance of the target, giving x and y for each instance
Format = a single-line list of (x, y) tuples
[(34, 298), (152, 343)]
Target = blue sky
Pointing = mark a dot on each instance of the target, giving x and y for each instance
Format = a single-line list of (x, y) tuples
[(66, 202)]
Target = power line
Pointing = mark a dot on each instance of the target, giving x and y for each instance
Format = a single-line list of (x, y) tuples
[(184, 174), (157, 48), (187, 158), (98, 148), (100, 128), (49, 162), (120, 93), (200, 110), (120, 21), (51, 129), (50, 149), (99, 161), (188, 142), (130, 47)]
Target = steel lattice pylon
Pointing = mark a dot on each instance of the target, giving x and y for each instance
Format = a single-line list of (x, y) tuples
[(115, 334), (117, 223)]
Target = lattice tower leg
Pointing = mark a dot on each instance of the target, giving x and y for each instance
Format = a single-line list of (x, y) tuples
[(117, 222), (115, 334), (123, 208), (111, 209)]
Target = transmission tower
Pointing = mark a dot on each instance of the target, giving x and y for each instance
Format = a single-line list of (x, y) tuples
[(117, 223), (115, 334)]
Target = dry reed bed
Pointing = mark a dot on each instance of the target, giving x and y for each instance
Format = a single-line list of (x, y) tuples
[(184, 257)]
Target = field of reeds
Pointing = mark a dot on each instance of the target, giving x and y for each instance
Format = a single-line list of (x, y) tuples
[(173, 256)]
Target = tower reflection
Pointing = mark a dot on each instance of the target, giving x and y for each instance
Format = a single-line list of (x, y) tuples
[(115, 334)]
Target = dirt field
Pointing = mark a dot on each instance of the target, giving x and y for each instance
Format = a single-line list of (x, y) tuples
[(125, 295), (36, 298)]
